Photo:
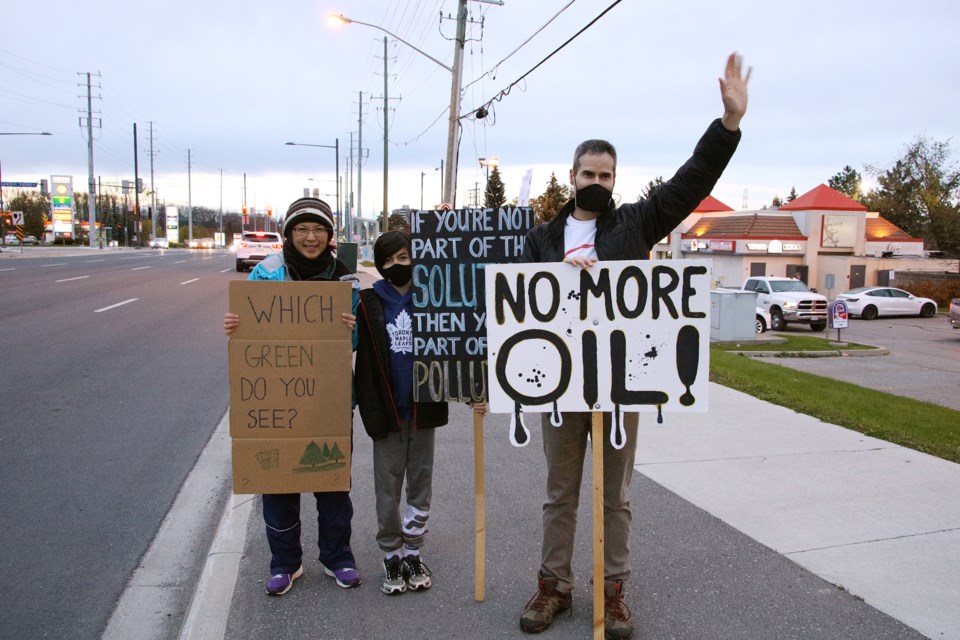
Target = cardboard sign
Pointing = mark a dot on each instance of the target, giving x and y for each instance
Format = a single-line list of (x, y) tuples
[(620, 336), (450, 251), (290, 387)]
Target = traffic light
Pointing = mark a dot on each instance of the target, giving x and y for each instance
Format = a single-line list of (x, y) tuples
[(269, 212)]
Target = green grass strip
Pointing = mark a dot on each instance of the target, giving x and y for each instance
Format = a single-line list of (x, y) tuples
[(911, 423)]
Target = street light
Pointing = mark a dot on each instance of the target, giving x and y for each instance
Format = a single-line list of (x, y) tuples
[(336, 147), (453, 129), (488, 162), (41, 133)]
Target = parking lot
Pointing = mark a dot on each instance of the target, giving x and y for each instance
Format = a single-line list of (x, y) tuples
[(924, 359)]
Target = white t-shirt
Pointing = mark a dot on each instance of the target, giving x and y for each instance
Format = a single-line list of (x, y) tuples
[(578, 238)]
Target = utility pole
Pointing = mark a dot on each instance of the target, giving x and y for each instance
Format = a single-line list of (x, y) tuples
[(153, 192), (350, 192), (91, 183), (453, 133), (136, 190), (189, 199), (386, 97), (360, 159), (220, 217), (386, 211)]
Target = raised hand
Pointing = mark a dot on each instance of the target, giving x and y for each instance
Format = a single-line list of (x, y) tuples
[(733, 91)]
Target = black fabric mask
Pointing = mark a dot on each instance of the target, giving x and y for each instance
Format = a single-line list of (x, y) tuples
[(398, 274), (595, 198)]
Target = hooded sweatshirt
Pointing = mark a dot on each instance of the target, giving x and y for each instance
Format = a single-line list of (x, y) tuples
[(398, 316)]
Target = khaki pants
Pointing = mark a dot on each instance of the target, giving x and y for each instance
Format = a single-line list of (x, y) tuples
[(565, 447)]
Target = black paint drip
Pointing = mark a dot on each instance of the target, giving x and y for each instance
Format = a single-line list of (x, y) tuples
[(688, 360), (520, 434)]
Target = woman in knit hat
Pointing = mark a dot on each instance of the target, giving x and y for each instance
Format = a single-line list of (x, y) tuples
[(307, 255)]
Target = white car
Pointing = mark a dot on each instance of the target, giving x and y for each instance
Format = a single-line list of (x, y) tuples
[(160, 243), (254, 246), (871, 302), (763, 320)]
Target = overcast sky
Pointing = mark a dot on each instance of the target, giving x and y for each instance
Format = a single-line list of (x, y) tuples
[(834, 83)]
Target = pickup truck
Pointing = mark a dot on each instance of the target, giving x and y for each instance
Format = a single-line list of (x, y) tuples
[(955, 313), (788, 300)]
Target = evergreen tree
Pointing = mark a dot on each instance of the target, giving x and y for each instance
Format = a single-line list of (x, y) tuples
[(495, 194), (792, 195), (651, 187), (546, 205), (847, 182)]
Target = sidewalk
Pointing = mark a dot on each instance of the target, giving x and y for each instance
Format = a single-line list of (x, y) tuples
[(750, 522)]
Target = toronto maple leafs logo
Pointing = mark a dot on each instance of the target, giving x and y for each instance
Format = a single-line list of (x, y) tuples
[(401, 333)]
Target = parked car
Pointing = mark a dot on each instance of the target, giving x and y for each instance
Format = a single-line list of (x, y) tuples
[(10, 238), (788, 300), (763, 320), (871, 302), (955, 313), (254, 246)]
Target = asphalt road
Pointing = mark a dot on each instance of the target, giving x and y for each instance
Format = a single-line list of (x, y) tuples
[(923, 363), (112, 380)]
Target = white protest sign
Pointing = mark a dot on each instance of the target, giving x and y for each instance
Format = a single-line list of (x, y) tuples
[(620, 336)]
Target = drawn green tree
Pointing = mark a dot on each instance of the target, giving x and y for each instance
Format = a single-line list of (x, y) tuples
[(335, 454), (313, 455)]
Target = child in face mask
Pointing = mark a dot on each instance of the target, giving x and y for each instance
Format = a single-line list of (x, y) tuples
[(402, 430)]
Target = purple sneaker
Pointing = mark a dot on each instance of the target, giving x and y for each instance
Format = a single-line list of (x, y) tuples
[(346, 577), (282, 582)]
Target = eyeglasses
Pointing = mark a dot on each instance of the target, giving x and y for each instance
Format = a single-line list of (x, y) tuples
[(303, 232)]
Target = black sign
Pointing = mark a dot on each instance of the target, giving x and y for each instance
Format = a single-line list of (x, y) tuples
[(450, 251)]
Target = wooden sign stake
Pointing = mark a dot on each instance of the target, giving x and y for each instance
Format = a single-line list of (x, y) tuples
[(480, 516), (596, 446)]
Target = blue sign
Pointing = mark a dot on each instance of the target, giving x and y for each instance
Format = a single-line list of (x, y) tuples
[(18, 184)]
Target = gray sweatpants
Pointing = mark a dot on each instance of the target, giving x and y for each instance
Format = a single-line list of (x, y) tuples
[(407, 454)]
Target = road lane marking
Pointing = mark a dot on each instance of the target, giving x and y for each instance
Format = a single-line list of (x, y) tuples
[(69, 279), (100, 260), (56, 264), (138, 268), (181, 262), (114, 306), (10, 269), (226, 270), (189, 281)]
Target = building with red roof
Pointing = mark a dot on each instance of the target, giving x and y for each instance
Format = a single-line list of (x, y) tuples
[(820, 237)]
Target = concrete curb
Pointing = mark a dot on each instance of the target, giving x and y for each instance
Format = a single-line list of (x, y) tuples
[(839, 353), (210, 608), (153, 603)]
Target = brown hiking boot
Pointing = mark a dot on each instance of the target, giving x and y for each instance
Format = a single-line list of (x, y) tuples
[(617, 624), (546, 603)]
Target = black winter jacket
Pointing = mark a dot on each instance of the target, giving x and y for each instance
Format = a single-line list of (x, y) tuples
[(630, 231), (372, 376)]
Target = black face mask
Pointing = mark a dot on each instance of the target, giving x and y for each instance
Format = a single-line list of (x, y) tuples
[(595, 198), (398, 274)]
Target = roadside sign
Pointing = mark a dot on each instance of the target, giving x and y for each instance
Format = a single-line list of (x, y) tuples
[(17, 217), (837, 314), (18, 184)]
